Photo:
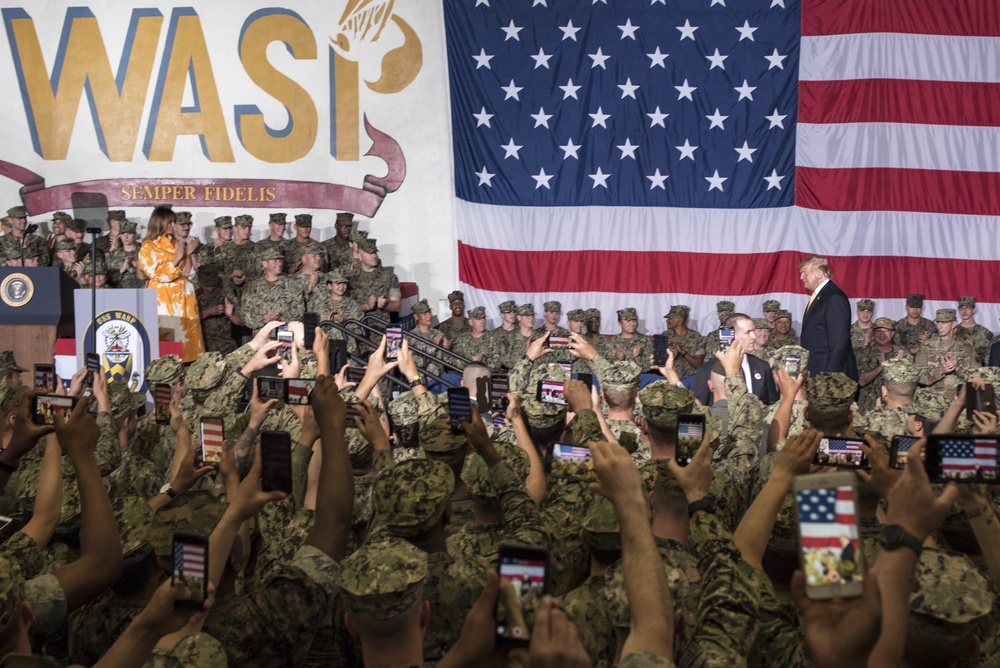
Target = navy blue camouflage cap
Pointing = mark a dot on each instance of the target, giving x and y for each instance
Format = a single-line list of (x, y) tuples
[(166, 369), (410, 498), (830, 391), (662, 402)]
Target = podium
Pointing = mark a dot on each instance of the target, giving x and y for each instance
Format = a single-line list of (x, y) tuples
[(36, 308)]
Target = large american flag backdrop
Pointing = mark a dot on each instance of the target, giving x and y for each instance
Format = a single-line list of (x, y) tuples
[(648, 152)]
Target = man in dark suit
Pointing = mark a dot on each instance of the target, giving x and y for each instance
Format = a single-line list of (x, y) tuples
[(756, 372), (826, 325)]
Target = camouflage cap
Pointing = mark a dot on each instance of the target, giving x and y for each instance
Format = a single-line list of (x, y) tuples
[(357, 236), (360, 451), (662, 402), (783, 314), (539, 413), (945, 315), (382, 580), (204, 254), (34, 250), (368, 245), (244, 220), (771, 306), (988, 374), (64, 245), (900, 371), (866, 305), (17, 212), (224, 221), (884, 323), (404, 409), (628, 313), (62, 216), (724, 316), (166, 369), (183, 216), (135, 520), (616, 376), (421, 307), (410, 498), (8, 363), (127, 227), (455, 295), (116, 214), (193, 511), (208, 274), (304, 220), (206, 373), (552, 306), (271, 252), (576, 315), (927, 403), (592, 313), (477, 313), (10, 397), (11, 591), (337, 276), (600, 525), (476, 474), (436, 437), (616, 598), (77, 225), (713, 423), (526, 309), (123, 400), (791, 350), (966, 301), (345, 218), (312, 247), (914, 301), (725, 305), (831, 391), (278, 217), (509, 306), (198, 650), (760, 323), (679, 311), (949, 594)]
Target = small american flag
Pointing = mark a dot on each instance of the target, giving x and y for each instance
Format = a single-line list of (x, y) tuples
[(211, 439), (844, 446), (825, 515), (960, 457), (189, 562), (298, 391)]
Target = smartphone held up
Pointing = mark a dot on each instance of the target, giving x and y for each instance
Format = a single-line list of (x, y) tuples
[(829, 536)]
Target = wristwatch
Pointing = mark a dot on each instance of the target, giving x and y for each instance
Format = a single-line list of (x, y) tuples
[(706, 503), (168, 490), (416, 380), (894, 537)]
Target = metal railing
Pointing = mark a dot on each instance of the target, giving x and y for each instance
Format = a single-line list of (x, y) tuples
[(465, 361)]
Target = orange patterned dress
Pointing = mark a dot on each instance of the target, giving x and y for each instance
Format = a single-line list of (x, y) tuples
[(175, 299)]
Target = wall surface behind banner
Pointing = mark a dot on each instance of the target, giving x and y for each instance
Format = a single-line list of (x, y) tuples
[(227, 107)]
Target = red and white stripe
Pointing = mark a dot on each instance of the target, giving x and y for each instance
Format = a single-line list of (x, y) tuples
[(827, 534)]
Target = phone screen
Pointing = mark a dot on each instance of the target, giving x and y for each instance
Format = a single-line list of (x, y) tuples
[(45, 406), (393, 342), (522, 585), (299, 390), (567, 367), (191, 567), (551, 392), (459, 408), (93, 362), (352, 412), (830, 541), (690, 431), (286, 339), (499, 420), (960, 458), (793, 365), (900, 448), (568, 461), (212, 435), (45, 377), (587, 378), (271, 387), (660, 343), (310, 321), (355, 374), (499, 386), (841, 452), (726, 337), (276, 461), (161, 402), (558, 341)]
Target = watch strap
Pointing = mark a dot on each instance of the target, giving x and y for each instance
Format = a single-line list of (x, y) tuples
[(706, 503)]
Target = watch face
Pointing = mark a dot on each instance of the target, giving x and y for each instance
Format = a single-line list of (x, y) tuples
[(892, 534)]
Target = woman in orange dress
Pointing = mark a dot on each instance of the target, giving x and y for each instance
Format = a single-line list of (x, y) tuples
[(168, 267)]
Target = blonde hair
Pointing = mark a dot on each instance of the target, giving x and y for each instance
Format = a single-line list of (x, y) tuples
[(159, 221), (818, 262)]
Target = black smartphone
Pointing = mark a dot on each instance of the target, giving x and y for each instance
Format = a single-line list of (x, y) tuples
[(567, 460), (212, 435), (551, 392), (276, 461), (983, 400), (459, 408), (93, 363), (355, 374), (337, 349), (660, 344), (962, 458), (690, 431), (499, 387), (523, 573), (191, 567), (900, 448), (162, 393), (829, 537), (793, 365), (272, 387), (558, 341), (45, 406), (726, 337), (45, 377), (842, 452), (393, 342), (587, 378), (310, 321), (299, 390), (352, 412)]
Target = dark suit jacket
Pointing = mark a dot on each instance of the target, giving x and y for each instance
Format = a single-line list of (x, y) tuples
[(826, 333), (763, 387), (995, 354)]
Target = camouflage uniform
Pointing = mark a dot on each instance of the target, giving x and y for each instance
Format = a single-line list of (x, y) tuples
[(340, 255), (217, 329), (857, 332), (929, 358), (870, 358), (425, 356), (32, 244), (380, 282), (690, 342), (980, 337), (469, 346), (262, 298), (908, 335)]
